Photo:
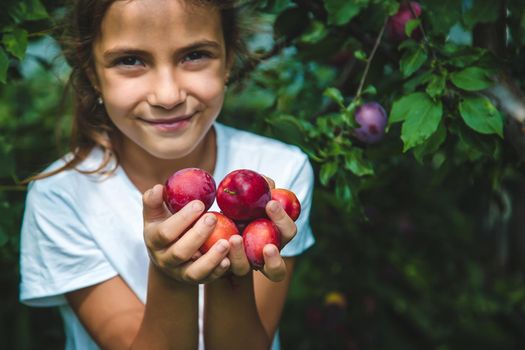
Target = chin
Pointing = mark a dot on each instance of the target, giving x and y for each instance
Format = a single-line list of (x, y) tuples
[(172, 153)]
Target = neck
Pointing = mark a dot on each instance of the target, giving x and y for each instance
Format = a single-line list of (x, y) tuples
[(145, 170)]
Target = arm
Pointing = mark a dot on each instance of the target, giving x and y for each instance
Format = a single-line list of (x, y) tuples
[(270, 297), (116, 319), (112, 313), (244, 311), (248, 312)]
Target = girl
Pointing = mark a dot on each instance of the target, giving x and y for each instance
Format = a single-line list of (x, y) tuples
[(97, 240)]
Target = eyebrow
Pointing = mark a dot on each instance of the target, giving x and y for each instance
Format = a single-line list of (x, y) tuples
[(124, 50)]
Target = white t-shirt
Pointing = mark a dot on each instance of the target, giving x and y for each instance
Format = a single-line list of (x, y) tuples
[(80, 230)]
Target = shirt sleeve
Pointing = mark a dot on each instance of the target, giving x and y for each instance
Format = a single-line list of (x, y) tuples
[(57, 253), (302, 186)]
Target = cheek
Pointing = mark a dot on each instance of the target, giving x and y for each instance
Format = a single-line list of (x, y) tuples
[(208, 87), (122, 97), (123, 91)]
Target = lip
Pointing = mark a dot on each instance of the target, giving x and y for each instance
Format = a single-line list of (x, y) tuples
[(170, 124)]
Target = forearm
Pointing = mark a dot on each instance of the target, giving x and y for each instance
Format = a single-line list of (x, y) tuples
[(231, 320), (171, 315)]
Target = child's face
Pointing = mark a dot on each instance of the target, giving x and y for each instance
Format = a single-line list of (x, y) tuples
[(161, 69)]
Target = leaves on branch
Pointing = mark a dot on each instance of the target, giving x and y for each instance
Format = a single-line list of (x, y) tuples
[(420, 116), (472, 79), (481, 115), (412, 60)]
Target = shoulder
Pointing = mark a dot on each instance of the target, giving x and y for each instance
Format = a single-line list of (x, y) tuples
[(69, 182), (253, 145)]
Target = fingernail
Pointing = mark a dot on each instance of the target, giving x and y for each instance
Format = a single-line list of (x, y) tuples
[(271, 251), (210, 220), (274, 207), (225, 263), (221, 246), (197, 206), (236, 241)]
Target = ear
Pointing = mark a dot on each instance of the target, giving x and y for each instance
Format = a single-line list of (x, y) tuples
[(229, 65), (92, 76)]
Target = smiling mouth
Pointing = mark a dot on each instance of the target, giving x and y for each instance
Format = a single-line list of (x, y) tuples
[(168, 121)]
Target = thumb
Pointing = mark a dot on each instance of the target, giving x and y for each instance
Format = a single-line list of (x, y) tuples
[(270, 181), (153, 205)]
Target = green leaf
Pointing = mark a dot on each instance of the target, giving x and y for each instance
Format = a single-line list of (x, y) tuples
[(390, 7), (437, 85), (443, 14), (481, 115), (290, 129), (422, 118), (411, 25), (4, 65), (417, 80), (335, 95), (357, 164), (475, 145), (360, 55), (369, 90), (341, 12), (412, 60), (402, 107), (328, 170), (28, 10), (472, 79), (432, 145), (467, 60), (343, 191), (315, 32), (15, 42), (280, 5), (408, 44)]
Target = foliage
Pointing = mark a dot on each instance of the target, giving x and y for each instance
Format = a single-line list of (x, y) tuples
[(415, 247)]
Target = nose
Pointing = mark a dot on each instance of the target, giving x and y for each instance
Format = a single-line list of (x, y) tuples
[(166, 91)]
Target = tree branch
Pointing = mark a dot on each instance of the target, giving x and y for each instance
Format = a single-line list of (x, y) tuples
[(370, 58)]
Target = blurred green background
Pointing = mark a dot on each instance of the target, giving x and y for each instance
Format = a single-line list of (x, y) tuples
[(420, 238)]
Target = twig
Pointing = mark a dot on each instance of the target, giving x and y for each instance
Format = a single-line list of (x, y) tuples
[(422, 29), (369, 60)]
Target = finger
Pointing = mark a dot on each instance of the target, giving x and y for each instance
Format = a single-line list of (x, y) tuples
[(284, 223), (274, 266), (159, 235), (240, 265), (196, 255), (195, 237), (153, 205), (270, 181), (219, 271), (201, 269)]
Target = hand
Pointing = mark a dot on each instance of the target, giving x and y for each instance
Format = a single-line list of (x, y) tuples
[(173, 241), (274, 265)]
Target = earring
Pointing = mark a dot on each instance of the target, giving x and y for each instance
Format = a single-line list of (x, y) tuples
[(100, 101)]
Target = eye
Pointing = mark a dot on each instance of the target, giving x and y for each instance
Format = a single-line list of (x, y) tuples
[(196, 55), (128, 61)]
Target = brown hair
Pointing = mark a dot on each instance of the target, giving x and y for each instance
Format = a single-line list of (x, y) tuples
[(91, 125)]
